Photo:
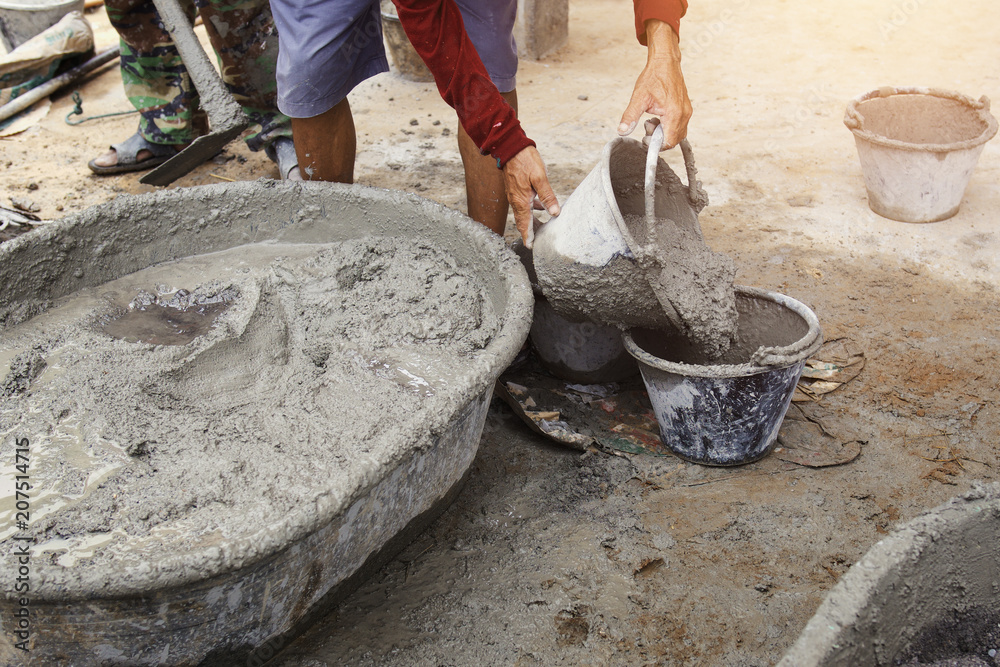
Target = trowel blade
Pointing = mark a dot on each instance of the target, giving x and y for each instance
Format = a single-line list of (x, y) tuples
[(201, 149)]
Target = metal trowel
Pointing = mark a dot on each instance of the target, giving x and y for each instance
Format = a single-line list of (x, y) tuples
[(226, 119)]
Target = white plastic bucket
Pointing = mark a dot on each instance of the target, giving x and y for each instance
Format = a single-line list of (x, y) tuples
[(20, 20), (918, 148), (588, 249)]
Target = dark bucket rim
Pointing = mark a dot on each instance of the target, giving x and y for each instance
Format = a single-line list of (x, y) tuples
[(765, 359)]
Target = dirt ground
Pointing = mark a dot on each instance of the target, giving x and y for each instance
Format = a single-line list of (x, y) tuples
[(553, 557)]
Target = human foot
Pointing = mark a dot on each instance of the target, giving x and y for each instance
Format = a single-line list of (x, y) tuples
[(133, 154)]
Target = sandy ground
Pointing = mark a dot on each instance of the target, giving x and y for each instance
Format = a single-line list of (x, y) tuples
[(552, 557)]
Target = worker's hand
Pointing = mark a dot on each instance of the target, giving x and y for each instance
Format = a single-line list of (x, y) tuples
[(524, 177), (660, 88)]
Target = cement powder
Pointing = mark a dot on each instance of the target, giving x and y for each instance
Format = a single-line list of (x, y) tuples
[(142, 452)]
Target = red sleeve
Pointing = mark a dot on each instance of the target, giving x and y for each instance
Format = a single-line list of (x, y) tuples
[(669, 11), (436, 31)]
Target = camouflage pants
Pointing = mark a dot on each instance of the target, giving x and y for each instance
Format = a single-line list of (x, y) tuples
[(157, 82)]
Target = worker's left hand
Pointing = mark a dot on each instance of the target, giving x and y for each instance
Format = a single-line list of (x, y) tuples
[(660, 88), (524, 177)]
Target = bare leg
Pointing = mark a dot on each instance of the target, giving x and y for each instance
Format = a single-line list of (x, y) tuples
[(110, 159), (484, 187), (326, 145)]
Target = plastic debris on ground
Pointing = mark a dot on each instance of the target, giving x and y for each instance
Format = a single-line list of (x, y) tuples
[(837, 363), (618, 416), (614, 416), (805, 440)]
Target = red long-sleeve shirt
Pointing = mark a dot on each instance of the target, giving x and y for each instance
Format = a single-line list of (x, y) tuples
[(436, 31), (668, 11)]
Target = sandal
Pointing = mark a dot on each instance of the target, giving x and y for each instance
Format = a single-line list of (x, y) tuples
[(127, 152), (282, 152)]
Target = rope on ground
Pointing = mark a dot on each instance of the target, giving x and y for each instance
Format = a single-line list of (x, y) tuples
[(78, 111)]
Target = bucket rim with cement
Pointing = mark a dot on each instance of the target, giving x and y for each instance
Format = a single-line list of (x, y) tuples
[(588, 248), (918, 148), (729, 414), (918, 574), (88, 252), (760, 361), (697, 197), (855, 120)]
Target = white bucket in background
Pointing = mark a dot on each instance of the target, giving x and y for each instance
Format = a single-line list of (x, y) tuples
[(20, 20), (918, 148)]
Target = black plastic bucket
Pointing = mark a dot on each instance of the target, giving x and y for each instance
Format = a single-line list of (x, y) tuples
[(728, 413)]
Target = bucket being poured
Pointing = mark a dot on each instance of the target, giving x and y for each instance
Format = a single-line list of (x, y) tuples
[(589, 258), (918, 148), (729, 412)]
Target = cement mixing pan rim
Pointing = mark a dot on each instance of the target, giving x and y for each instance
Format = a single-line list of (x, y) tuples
[(131, 233), (920, 570), (762, 361)]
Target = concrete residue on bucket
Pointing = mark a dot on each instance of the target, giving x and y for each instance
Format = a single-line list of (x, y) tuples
[(728, 412), (628, 269), (174, 461), (918, 148)]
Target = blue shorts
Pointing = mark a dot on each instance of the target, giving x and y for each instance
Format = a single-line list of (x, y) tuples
[(327, 47)]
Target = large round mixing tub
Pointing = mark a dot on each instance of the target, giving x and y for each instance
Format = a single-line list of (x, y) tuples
[(242, 599)]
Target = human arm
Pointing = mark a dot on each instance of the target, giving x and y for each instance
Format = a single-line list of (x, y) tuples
[(436, 31), (660, 88)]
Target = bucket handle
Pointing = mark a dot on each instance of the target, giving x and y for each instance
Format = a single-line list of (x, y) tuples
[(797, 351), (697, 196)]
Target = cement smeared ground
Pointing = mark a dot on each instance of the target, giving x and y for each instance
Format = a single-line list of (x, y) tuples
[(142, 452)]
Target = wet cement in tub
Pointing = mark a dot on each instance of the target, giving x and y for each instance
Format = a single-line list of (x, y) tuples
[(270, 374), (759, 323), (174, 319)]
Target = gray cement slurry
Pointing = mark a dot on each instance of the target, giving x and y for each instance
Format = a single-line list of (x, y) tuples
[(164, 463)]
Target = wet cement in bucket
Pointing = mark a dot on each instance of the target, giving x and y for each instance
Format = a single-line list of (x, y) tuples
[(304, 359), (674, 282), (760, 324), (688, 276), (921, 119)]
